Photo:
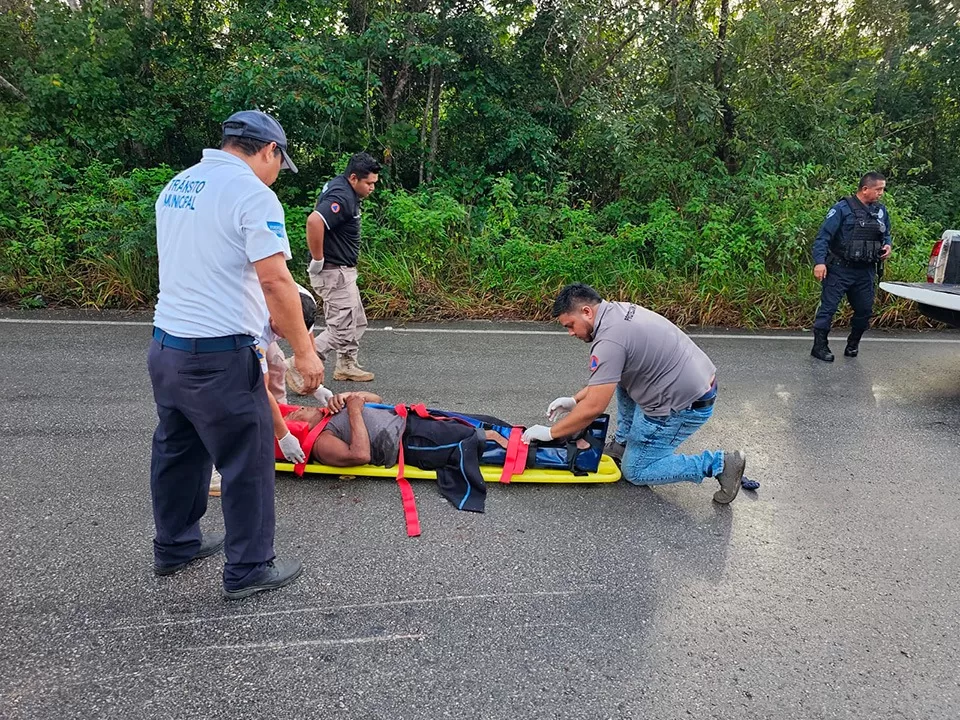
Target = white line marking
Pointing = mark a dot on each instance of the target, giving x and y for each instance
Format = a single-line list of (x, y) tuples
[(307, 643), (33, 321), (353, 606), (808, 338), (504, 331)]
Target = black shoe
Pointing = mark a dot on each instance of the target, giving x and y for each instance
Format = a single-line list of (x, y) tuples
[(615, 450), (733, 466), (279, 573), (821, 351), (210, 545), (853, 343)]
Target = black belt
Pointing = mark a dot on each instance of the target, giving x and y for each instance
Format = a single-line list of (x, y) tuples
[(202, 345), (705, 401), (840, 262)]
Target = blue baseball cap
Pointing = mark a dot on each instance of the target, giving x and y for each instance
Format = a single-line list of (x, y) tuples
[(258, 125)]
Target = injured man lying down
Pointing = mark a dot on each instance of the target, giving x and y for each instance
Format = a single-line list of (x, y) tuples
[(356, 429)]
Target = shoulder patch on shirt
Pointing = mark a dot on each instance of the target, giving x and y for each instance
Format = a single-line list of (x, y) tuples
[(594, 363), (880, 213), (833, 211), (277, 228), (335, 207)]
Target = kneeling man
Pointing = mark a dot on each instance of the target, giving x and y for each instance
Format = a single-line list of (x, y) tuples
[(665, 385)]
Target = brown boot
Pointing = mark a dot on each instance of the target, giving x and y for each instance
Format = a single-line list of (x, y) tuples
[(215, 479), (347, 369)]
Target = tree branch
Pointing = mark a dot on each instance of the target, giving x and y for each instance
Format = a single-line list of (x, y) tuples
[(602, 67)]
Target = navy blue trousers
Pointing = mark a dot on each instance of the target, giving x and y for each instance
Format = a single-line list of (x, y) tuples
[(453, 450), (212, 408), (857, 283)]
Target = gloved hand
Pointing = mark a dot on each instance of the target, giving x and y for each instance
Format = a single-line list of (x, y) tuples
[(560, 407), (540, 433), (315, 266), (291, 449), (323, 396)]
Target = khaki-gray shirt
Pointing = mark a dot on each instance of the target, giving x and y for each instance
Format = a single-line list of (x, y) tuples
[(650, 357), (384, 428)]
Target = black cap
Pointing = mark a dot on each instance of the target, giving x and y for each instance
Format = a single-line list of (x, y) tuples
[(258, 125)]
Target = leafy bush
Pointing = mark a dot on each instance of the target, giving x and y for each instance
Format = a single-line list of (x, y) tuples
[(77, 235), (735, 251)]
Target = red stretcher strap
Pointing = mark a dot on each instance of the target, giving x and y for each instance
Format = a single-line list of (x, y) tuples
[(307, 444), (516, 459), (410, 515)]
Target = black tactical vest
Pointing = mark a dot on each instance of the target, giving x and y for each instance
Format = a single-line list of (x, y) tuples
[(864, 243)]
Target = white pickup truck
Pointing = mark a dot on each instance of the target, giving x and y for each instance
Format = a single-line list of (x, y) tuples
[(939, 297)]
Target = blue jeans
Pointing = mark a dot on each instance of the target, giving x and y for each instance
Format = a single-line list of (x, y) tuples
[(649, 458)]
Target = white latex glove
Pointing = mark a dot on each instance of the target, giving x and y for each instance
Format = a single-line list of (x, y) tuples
[(560, 407), (290, 447), (540, 433), (323, 396), (315, 266)]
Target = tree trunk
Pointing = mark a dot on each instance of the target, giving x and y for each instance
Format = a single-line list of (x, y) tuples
[(434, 127), (392, 96), (356, 18), (724, 152), (673, 71), (426, 120), (73, 4), (368, 113), (8, 86), (148, 9)]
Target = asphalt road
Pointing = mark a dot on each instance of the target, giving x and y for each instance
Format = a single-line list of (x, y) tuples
[(832, 592)]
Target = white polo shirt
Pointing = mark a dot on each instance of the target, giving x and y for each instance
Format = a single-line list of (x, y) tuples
[(214, 220)]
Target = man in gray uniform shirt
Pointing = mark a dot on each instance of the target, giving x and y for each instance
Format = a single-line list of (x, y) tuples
[(666, 387)]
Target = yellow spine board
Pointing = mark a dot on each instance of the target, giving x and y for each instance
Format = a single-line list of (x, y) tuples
[(608, 472)]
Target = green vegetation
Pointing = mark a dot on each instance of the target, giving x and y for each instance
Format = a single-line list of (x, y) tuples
[(679, 154)]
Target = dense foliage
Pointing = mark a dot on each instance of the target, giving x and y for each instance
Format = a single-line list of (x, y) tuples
[(681, 154)]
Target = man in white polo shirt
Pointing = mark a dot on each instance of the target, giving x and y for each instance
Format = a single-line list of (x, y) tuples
[(665, 385), (222, 247)]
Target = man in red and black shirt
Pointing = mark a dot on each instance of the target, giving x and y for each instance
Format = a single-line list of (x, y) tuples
[(333, 236)]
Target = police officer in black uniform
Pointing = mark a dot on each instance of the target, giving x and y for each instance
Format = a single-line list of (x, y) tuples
[(333, 236), (852, 242)]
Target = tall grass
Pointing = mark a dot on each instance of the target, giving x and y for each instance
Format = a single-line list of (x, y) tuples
[(733, 251)]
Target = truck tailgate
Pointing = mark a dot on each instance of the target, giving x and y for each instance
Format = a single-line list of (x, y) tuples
[(945, 296)]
